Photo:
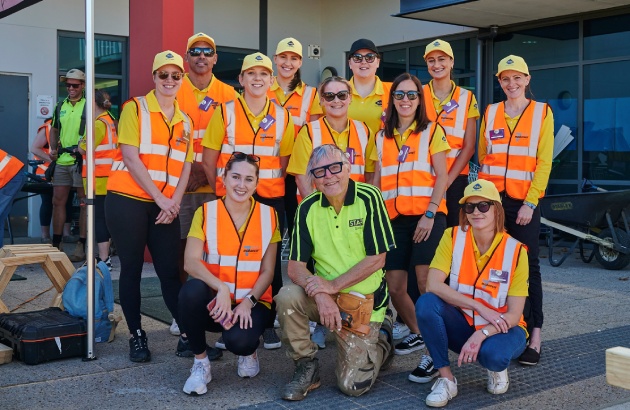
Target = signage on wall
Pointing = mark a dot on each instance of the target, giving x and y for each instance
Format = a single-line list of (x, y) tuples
[(45, 106)]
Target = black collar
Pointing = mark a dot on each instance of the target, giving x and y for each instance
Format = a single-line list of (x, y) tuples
[(351, 195)]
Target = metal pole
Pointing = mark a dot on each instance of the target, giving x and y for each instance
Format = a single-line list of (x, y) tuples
[(89, 129)]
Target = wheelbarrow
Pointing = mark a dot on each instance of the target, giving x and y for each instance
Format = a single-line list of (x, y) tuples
[(596, 217)]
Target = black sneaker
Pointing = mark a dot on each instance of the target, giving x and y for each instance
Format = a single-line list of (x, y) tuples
[(409, 344), (425, 372), (183, 350), (139, 347), (530, 357)]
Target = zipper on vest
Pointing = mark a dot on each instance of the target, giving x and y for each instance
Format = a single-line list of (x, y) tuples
[(479, 275), (259, 127), (507, 154), (240, 244), (168, 154)]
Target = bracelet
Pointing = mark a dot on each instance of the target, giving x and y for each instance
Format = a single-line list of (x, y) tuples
[(434, 204)]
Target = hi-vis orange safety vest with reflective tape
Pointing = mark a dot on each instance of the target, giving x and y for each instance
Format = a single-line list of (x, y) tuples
[(299, 106), (240, 136), (9, 167), (510, 160), (235, 261), (218, 93), (41, 169), (105, 152), (407, 186), (453, 122), (489, 289), (162, 151)]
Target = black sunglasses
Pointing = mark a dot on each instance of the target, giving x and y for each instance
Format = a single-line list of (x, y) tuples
[(334, 168), (175, 75), (196, 51), (469, 207), (69, 85), (330, 97), (399, 95), (369, 58), (241, 156)]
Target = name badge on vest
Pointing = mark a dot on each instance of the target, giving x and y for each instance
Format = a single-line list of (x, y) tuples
[(450, 106), (383, 116), (497, 275), (402, 154), (351, 154), (497, 134), (267, 122), (206, 103)]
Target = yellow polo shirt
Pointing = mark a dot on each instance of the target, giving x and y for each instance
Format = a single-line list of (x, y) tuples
[(100, 184), (473, 109), (281, 97), (369, 109)]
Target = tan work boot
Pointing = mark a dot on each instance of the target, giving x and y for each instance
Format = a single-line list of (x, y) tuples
[(78, 255), (305, 379)]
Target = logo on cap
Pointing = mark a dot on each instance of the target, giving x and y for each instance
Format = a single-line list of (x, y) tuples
[(437, 43), (477, 186), (510, 61), (290, 43), (259, 58), (199, 35), (169, 55)]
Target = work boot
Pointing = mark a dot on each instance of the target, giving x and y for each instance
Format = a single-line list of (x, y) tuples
[(78, 255), (305, 379)]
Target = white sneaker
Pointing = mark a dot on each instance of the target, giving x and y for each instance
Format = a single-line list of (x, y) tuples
[(400, 330), (276, 323), (442, 391), (319, 336), (174, 329), (498, 382), (248, 366), (312, 326), (219, 344), (200, 376)]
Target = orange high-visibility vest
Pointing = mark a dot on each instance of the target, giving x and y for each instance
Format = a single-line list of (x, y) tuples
[(9, 167), (454, 122), (41, 169), (490, 290), (218, 93), (162, 151), (407, 186), (235, 261), (299, 106), (240, 136), (510, 161), (105, 152)]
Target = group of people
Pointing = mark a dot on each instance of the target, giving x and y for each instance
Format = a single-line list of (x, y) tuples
[(371, 180)]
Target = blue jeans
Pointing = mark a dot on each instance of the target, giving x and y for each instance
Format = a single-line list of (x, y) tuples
[(7, 193), (444, 327)]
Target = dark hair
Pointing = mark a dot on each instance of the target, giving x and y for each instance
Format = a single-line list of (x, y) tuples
[(297, 79), (233, 160), (101, 98), (333, 79), (391, 115)]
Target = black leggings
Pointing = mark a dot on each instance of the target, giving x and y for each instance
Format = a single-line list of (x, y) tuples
[(453, 194), (132, 225), (193, 301), (100, 225)]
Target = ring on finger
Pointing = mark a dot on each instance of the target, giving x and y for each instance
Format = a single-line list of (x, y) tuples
[(497, 320)]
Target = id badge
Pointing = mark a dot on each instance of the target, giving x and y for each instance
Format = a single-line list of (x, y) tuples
[(402, 154), (450, 106), (497, 134), (500, 276), (206, 103), (383, 116), (350, 153), (267, 122)]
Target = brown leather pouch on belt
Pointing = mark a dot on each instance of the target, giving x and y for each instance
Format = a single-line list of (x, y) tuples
[(359, 311)]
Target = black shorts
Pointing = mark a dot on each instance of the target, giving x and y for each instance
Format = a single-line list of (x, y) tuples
[(407, 252)]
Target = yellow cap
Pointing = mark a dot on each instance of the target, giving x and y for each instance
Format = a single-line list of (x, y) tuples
[(167, 57), (482, 188), (513, 62), (256, 60), (201, 37), (289, 44), (439, 45)]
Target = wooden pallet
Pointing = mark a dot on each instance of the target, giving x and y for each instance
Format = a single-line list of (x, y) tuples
[(56, 264), (618, 367)]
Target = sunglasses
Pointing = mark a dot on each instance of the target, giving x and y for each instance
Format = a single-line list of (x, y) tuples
[(69, 85), (369, 58), (241, 156), (483, 207), (399, 95), (196, 51), (330, 97), (175, 75), (334, 168)]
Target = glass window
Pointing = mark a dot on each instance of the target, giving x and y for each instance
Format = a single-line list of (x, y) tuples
[(465, 52), (229, 65), (607, 37), (393, 63)]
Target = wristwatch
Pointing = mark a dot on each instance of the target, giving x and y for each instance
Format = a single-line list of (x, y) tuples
[(485, 332), (252, 299), (529, 205), (429, 214)]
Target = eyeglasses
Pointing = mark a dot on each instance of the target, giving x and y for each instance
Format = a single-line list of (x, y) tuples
[(483, 207), (330, 97), (334, 168), (175, 75), (399, 95), (369, 58), (71, 85), (241, 156), (196, 51)]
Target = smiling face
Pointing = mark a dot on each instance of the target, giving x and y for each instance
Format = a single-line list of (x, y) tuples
[(439, 65), (255, 81), (364, 69), (478, 220), (167, 87), (240, 181), (513, 83), (336, 108), (334, 186), (201, 64), (406, 108), (287, 64), (74, 92)]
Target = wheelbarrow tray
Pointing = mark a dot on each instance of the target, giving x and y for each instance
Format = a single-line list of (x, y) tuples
[(586, 209)]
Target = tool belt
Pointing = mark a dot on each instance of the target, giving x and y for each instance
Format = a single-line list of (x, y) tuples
[(355, 312)]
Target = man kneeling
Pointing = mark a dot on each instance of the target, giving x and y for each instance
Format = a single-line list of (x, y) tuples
[(344, 228)]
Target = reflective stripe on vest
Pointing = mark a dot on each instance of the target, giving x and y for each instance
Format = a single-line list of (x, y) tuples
[(467, 280), (240, 136), (301, 111), (234, 261), (407, 187), (357, 139), (9, 167), (510, 161), (105, 152), (41, 169)]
